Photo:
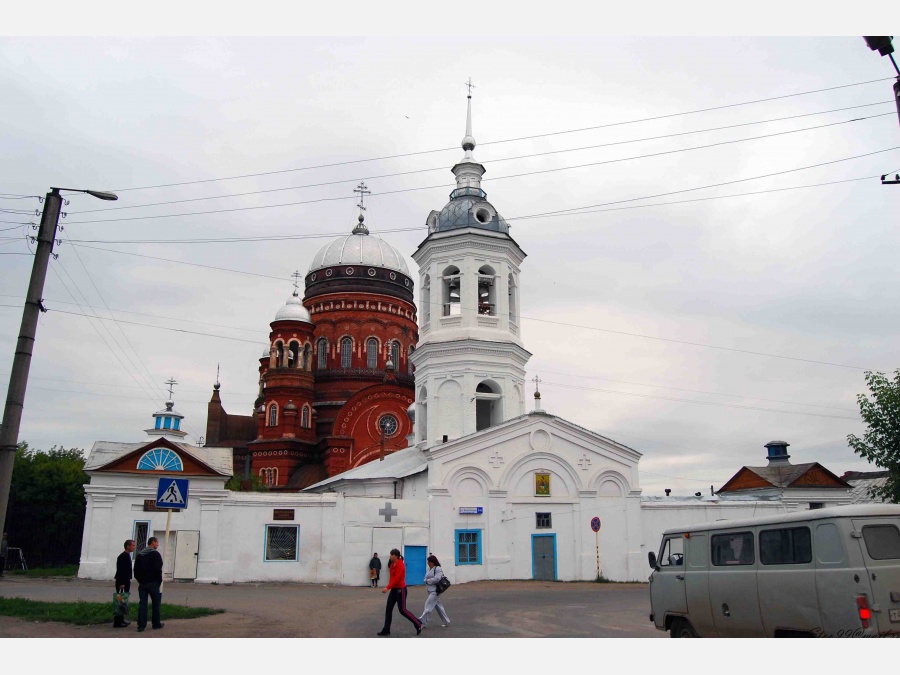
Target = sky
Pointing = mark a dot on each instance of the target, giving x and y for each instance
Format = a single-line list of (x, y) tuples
[(677, 315)]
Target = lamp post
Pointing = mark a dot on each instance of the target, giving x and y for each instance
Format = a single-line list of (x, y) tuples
[(18, 378)]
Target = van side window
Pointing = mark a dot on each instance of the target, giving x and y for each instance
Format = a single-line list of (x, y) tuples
[(828, 544), (882, 541), (734, 548), (790, 546), (672, 552), (697, 550)]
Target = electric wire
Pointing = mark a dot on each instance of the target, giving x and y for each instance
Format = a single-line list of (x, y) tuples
[(508, 140), (514, 158)]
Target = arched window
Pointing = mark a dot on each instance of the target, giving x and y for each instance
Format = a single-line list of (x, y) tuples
[(304, 417), (306, 351), (346, 352), (273, 415), (450, 295), (395, 354), (160, 459), (512, 299), (487, 297), (294, 355), (488, 405), (269, 476), (371, 353), (322, 350), (409, 364), (422, 415), (279, 355)]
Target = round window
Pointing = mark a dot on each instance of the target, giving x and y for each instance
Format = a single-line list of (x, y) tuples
[(349, 271), (393, 275), (313, 277), (483, 215), (328, 273), (388, 424), (371, 272)]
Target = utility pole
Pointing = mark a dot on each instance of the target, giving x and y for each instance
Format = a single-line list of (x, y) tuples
[(18, 378)]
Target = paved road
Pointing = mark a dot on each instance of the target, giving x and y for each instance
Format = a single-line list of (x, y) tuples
[(480, 609)]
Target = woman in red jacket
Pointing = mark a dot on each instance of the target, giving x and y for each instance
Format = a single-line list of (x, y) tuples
[(396, 588)]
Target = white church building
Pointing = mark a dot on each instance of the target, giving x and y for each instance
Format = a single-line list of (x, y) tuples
[(493, 490)]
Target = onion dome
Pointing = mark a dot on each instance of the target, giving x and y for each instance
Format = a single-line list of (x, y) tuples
[(267, 352), (411, 412), (293, 310)]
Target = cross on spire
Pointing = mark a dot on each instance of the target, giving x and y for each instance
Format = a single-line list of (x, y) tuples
[(470, 87), (363, 190), (296, 276), (537, 384), (171, 382)]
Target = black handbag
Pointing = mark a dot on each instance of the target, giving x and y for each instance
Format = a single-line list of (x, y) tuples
[(442, 585)]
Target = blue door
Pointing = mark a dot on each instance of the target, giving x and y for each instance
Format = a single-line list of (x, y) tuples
[(414, 557)]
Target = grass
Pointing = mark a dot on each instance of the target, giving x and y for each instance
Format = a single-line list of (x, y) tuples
[(88, 613), (65, 571)]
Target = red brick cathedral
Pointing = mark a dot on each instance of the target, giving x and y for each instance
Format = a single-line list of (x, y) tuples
[(336, 380)]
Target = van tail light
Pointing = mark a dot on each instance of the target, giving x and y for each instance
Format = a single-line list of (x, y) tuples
[(862, 602)]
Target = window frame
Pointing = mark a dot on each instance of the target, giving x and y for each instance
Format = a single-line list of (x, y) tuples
[(872, 526), (748, 534), (272, 415), (296, 529), (543, 520), (321, 354), (372, 353), (478, 543), (793, 545), (346, 354)]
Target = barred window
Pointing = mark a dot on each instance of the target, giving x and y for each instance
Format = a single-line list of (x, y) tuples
[(371, 353), (468, 547), (543, 521), (273, 415), (346, 352), (281, 542), (322, 349), (304, 418)]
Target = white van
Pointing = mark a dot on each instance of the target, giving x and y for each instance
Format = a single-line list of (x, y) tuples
[(822, 573)]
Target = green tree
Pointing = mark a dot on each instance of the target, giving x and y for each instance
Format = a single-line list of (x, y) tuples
[(880, 443), (46, 513)]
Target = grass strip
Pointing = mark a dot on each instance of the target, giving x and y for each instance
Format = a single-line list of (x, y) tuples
[(88, 613), (65, 571)]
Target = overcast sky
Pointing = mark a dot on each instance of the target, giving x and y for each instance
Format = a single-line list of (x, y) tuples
[(808, 273)]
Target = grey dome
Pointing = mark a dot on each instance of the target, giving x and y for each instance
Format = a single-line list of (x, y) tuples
[(359, 249), (468, 209), (293, 310), (267, 352)]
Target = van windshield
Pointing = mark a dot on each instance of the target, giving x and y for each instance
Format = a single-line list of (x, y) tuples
[(882, 541)]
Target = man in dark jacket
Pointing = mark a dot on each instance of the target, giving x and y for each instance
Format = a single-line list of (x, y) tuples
[(375, 570), (148, 567), (123, 580)]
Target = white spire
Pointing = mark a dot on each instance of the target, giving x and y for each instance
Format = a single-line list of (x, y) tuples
[(468, 141)]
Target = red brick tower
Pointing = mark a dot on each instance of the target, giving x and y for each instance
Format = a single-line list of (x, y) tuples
[(360, 296)]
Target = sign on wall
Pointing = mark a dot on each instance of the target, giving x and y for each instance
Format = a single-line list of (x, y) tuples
[(471, 510), (283, 514)]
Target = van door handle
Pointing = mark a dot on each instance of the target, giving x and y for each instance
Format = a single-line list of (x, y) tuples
[(680, 577)]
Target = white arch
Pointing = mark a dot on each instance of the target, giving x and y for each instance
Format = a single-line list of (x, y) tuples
[(515, 470), (613, 476), (469, 472)]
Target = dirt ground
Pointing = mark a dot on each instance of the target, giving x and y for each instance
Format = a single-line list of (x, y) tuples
[(480, 609)]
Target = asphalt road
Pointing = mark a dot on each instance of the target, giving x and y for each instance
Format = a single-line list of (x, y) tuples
[(480, 609)]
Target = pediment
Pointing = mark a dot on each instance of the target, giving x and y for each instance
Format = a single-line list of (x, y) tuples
[(130, 461)]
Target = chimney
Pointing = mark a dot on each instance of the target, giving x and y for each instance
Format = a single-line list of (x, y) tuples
[(778, 453), (668, 492)]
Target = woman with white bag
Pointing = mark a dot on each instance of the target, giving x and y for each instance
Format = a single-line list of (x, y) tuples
[(432, 577)]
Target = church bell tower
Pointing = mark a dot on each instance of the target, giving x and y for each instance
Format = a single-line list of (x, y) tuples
[(470, 361)]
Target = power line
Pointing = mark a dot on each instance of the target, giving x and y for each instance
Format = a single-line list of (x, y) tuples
[(507, 159), (692, 391), (709, 403), (508, 140), (444, 185)]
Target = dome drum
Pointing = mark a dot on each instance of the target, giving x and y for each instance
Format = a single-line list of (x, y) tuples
[(359, 279)]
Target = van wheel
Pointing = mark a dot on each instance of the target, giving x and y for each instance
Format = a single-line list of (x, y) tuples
[(682, 628)]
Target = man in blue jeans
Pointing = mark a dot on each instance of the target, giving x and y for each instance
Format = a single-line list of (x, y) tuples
[(148, 567)]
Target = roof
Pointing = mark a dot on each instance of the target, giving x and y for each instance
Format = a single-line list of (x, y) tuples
[(105, 452), (359, 249), (293, 310), (400, 464), (862, 485), (468, 208), (850, 511), (784, 476)]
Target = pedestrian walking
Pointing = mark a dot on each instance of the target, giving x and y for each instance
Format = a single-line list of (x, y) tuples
[(375, 570), (396, 590), (148, 567), (123, 584), (433, 601)]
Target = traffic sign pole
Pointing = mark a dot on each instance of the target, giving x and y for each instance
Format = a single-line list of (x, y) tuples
[(595, 526), (166, 547)]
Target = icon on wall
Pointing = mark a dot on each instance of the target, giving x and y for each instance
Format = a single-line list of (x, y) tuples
[(542, 485)]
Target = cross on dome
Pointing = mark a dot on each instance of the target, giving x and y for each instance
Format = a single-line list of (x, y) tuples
[(171, 382), (468, 141), (363, 190), (297, 276)]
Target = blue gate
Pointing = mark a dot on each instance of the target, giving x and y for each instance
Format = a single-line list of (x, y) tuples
[(414, 557)]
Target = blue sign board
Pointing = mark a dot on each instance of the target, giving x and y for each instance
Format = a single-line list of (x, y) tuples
[(471, 510), (172, 493)]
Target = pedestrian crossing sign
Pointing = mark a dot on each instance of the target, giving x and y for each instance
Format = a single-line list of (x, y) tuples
[(172, 493)]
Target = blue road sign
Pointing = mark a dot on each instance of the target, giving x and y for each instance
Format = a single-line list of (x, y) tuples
[(595, 524), (172, 493)]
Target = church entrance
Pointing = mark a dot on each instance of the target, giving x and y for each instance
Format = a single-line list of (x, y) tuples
[(543, 557), (414, 557)]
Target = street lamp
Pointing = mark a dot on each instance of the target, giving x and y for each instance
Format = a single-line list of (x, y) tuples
[(18, 378)]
